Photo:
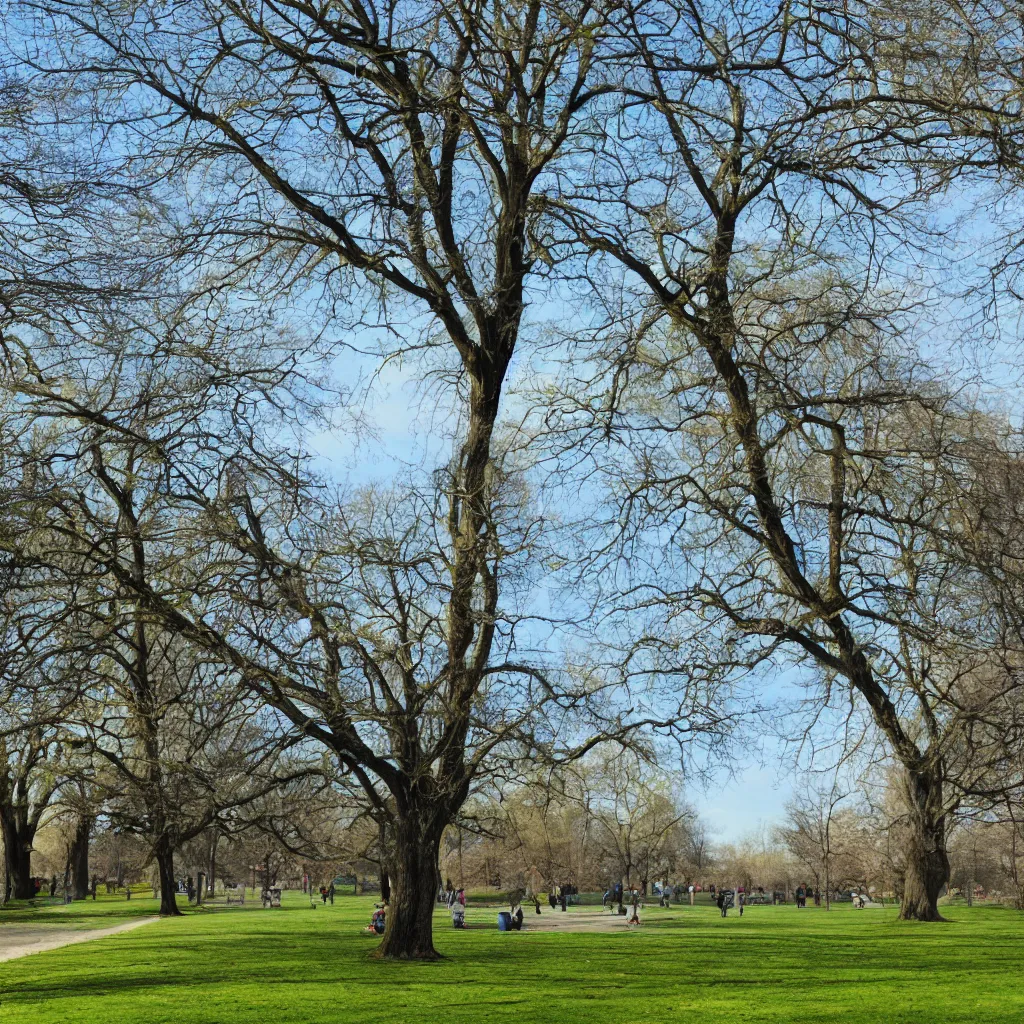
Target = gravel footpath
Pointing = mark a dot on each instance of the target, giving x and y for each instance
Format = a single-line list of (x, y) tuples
[(18, 941)]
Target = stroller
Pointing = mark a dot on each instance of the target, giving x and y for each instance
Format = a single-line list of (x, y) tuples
[(458, 915), (377, 919)]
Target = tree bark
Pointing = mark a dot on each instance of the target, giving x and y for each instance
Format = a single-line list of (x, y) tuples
[(165, 864), (412, 873), (80, 859), (18, 859), (927, 866)]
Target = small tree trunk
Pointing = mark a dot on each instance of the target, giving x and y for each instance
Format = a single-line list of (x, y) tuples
[(80, 859), (211, 880), (409, 929), (165, 864), (927, 869)]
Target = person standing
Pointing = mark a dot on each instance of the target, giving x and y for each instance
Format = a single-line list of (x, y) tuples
[(330, 894), (721, 902), (634, 915)]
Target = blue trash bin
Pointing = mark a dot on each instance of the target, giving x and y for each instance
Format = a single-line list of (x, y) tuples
[(504, 921)]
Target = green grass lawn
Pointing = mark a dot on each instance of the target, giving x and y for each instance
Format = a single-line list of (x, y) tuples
[(221, 966), (103, 912)]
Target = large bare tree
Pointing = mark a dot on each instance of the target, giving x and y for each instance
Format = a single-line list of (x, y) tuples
[(390, 155), (806, 470)]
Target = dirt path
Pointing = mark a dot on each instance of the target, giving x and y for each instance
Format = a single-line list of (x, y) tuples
[(577, 919), (18, 941)]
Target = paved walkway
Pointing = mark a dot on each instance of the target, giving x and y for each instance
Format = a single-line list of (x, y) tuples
[(17, 940)]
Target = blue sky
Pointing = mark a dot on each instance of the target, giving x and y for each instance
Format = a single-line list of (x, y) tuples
[(405, 420), (755, 795)]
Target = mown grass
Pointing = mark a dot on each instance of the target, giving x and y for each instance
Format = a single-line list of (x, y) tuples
[(777, 964), (105, 911)]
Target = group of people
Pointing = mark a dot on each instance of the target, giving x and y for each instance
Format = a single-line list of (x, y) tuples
[(803, 892), (670, 892), (561, 895), (326, 893), (455, 899), (727, 898), (613, 895)]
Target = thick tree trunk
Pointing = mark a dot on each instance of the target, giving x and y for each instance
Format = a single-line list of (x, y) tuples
[(409, 929), (80, 859), (165, 864), (18, 860), (927, 866)]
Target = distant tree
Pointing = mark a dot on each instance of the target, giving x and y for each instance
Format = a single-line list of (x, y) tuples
[(810, 833)]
